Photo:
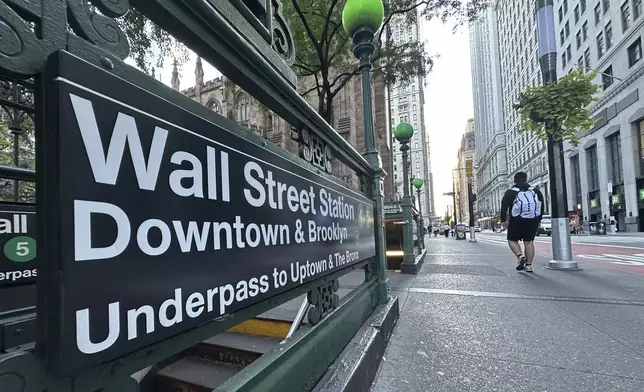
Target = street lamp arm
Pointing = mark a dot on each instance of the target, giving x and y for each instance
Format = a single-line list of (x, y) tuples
[(599, 72)]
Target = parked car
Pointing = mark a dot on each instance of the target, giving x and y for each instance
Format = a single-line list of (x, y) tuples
[(477, 229), (545, 227)]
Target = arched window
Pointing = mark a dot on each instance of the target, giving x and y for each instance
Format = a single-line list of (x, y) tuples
[(214, 106), (242, 108)]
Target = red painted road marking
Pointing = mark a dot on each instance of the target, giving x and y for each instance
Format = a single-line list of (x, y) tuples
[(595, 255)]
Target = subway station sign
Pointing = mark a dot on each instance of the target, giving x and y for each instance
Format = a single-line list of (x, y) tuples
[(160, 220), (17, 244)]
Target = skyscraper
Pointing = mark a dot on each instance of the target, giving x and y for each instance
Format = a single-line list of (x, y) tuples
[(520, 69), (406, 102), (491, 158), (605, 173)]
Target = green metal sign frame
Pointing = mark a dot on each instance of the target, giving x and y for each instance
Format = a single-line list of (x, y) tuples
[(250, 43)]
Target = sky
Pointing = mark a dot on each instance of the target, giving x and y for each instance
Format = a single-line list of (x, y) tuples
[(448, 98), (448, 102)]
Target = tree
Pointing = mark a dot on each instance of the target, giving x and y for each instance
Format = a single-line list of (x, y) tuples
[(324, 51), (558, 109), (447, 219), (27, 156), (149, 44)]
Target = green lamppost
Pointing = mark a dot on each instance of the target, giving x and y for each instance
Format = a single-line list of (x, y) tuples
[(418, 183), (361, 20), (403, 134)]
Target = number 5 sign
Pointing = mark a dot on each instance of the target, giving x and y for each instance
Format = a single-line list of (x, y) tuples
[(17, 239)]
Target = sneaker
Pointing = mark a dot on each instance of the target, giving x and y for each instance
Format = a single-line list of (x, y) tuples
[(521, 264), (528, 268)]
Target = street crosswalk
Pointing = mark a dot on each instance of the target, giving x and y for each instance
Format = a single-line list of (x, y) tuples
[(613, 258), (588, 240)]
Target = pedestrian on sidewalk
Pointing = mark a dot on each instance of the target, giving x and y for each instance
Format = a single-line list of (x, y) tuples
[(526, 207)]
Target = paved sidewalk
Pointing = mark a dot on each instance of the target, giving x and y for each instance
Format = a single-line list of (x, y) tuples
[(470, 322)]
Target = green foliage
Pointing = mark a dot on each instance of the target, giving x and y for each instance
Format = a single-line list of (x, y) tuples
[(558, 109), (149, 44), (447, 219), (27, 156), (324, 50)]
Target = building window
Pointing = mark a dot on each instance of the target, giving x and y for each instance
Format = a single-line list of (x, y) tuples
[(563, 60), (569, 52), (580, 62), (583, 6), (214, 106), (584, 31), (560, 14), (598, 13), (635, 52), (593, 171), (606, 5), (242, 108), (608, 31), (626, 15), (615, 151), (607, 77), (578, 37), (562, 37), (587, 59), (567, 29), (637, 9), (600, 45), (577, 13), (565, 6)]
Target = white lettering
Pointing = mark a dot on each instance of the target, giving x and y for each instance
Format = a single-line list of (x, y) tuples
[(143, 240), (106, 168), (83, 341), (195, 175), (83, 249)]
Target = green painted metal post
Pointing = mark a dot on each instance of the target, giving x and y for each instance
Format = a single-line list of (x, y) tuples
[(361, 20), (403, 134), (418, 182)]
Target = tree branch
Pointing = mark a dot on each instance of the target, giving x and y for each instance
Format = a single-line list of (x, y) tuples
[(325, 28), (309, 32), (348, 77)]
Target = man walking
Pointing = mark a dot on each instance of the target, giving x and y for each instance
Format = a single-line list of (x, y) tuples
[(526, 207)]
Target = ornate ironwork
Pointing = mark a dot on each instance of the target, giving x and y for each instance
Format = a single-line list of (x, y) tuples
[(323, 299), (33, 30), (282, 37), (315, 151), (370, 270)]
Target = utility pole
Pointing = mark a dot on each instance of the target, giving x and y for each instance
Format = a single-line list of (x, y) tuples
[(561, 245)]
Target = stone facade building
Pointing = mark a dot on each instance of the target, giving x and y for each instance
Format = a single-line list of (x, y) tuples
[(491, 155), (465, 172), (407, 104), (225, 98), (605, 173), (520, 69)]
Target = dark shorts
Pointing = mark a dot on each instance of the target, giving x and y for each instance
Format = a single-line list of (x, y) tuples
[(521, 229)]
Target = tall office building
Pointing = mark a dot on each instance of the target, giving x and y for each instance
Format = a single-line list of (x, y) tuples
[(465, 173), (406, 102), (605, 173), (520, 69), (491, 158)]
